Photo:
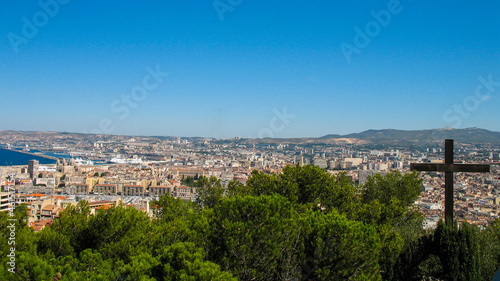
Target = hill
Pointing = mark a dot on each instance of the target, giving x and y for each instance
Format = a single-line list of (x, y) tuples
[(468, 135)]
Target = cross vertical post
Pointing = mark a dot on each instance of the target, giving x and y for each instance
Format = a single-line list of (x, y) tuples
[(448, 181)]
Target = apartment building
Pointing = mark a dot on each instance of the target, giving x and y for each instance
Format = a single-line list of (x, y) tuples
[(133, 190), (77, 189), (160, 190), (105, 189)]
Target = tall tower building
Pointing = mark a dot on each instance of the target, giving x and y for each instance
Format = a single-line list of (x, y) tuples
[(60, 164), (33, 168)]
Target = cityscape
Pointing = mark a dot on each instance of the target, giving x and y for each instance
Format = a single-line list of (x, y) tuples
[(106, 170), (231, 140)]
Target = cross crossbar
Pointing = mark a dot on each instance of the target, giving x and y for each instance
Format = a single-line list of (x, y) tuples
[(429, 167)]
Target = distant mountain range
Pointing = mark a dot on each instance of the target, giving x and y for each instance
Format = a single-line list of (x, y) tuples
[(376, 137), (386, 136)]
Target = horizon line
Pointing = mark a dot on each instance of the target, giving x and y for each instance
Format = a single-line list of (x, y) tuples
[(250, 138)]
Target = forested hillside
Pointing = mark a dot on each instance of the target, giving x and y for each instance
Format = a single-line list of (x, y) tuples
[(303, 224)]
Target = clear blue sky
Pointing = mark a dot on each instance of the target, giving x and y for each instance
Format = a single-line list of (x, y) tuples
[(230, 71)]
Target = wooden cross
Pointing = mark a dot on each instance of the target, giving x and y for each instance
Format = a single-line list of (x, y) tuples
[(449, 168)]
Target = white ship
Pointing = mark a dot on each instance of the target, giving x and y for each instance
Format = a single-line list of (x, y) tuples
[(80, 161), (119, 160)]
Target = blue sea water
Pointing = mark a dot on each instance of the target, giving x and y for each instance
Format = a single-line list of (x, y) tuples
[(57, 155), (11, 158)]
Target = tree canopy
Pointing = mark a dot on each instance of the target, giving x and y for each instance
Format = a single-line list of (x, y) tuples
[(301, 224)]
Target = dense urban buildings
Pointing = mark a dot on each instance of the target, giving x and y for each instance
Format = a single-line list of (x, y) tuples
[(105, 170)]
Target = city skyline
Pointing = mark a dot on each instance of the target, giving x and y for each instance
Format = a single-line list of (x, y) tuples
[(250, 69)]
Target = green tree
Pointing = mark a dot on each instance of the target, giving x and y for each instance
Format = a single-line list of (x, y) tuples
[(236, 188), (417, 260), (392, 188), (340, 195), (188, 181), (184, 261), (119, 232), (387, 203), (261, 183), (91, 265), (489, 244), (168, 208), (210, 191), (21, 214), (15, 234), (50, 242), (255, 238), (179, 221), (306, 185), (142, 266), (73, 223), (458, 251), (30, 267), (339, 249), (451, 252)]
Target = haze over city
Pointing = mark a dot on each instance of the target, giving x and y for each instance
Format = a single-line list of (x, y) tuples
[(331, 67)]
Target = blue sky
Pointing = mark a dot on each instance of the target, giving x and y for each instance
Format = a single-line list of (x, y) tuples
[(234, 66)]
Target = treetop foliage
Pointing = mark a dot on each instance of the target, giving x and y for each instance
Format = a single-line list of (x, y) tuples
[(302, 224)]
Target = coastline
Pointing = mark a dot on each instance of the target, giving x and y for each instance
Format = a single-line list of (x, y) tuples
[(30, 153), (10, 157)]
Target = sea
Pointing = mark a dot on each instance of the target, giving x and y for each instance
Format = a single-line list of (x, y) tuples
[(14, 158)]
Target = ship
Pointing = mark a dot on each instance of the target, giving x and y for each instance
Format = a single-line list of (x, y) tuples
[(119, 160)]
